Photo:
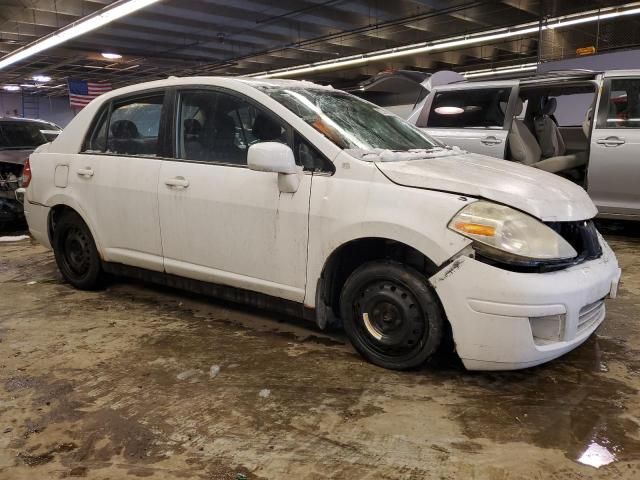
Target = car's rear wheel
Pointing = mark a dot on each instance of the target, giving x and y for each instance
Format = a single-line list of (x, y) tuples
[(76, 253), (391, 315)]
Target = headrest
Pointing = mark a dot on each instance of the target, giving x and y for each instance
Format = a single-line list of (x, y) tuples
[(266, 129), (503, 107), (550, 106), (124, 129), (518, 107), (191, 126)]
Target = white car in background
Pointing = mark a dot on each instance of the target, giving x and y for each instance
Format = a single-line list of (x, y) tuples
[(307, 199)]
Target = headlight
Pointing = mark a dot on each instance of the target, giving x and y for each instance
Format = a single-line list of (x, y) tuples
[(510, 235)]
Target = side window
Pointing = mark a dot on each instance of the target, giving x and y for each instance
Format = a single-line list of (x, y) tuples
[(572, 109), (622, 107), (134, 125), (310, 158), (218, 127), (481, 108), (96, 141)]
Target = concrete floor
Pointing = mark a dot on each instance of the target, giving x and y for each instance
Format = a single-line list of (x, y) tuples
[(117, 384)]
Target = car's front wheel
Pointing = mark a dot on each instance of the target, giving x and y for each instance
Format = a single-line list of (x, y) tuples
[(391, 315), (76, 253)]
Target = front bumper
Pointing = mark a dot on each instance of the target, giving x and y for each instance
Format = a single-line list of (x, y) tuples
[(493, 312)]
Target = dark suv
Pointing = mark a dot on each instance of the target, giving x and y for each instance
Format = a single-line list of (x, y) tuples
[(18, 138)]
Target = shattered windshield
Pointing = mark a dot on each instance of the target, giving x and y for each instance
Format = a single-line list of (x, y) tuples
[(349, 122)]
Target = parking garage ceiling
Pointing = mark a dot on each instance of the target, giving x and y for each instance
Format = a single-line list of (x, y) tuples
[(198, 37)]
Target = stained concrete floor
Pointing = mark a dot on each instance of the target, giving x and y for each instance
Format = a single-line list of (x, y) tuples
[(118, 384)]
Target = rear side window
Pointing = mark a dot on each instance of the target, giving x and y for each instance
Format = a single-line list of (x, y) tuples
[(481, 108), (622, 108), (134, 126)]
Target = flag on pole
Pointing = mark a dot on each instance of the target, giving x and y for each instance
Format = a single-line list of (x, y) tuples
[(82, 92)]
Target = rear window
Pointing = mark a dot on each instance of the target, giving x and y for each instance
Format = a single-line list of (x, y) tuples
[(481, 108), (18, 135)]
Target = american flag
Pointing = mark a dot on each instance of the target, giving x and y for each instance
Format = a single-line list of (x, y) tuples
[(81, 92)]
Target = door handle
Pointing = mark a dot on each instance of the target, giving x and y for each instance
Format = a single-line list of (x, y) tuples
[(491, 140), (177, 182), (611, 141), (85, 172)]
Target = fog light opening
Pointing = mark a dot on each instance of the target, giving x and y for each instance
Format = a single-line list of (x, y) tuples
[(547, 329)]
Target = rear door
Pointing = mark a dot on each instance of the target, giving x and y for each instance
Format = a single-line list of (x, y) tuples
[(475, 119), (614, 164), (115, 179)]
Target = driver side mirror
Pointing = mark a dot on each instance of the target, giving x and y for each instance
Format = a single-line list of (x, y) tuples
[(278, 158)]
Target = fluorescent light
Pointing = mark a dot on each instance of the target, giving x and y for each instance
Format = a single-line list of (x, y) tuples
[(41, 78), (459, 41), (525, 67), (84, 25), (111, 56), (11, 88)]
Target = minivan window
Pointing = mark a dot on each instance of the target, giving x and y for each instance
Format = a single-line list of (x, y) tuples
[(218, 127), (474, 108), (348, 121), (21, 135), (622, 109), (134, 125)]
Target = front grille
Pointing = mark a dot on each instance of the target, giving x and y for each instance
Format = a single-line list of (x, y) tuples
[(590, 314)]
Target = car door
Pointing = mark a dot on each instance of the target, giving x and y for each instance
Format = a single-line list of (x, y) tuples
[(222, 222), (115, 179), (614, 163), (471, 118)]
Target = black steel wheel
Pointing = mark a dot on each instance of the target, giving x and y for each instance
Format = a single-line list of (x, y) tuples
[(391, 315), (76, 253)]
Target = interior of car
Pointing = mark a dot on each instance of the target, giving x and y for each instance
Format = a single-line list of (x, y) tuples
[(551, 128)]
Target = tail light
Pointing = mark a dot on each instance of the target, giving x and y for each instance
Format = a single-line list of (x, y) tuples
[(26, 174)]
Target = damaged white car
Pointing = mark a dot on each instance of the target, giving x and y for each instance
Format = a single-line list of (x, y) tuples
[(289, 195)]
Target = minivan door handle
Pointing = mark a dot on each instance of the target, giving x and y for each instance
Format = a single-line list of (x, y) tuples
[(177, 182), (85, 172), (611, 141), (491, 140)]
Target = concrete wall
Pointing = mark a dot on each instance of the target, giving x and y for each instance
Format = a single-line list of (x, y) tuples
[(627, 59), (54, 109)]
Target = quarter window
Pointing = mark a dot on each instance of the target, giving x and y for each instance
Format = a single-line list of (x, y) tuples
[(219, 128), (478, 108), (622, 109)]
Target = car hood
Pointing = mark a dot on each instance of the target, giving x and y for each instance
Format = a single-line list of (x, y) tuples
[(17, 157), (541, 194)]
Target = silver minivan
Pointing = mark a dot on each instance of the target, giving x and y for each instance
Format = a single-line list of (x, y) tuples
[(548, 122)]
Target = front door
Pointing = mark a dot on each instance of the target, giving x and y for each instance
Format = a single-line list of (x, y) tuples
[(220, 221), (614, 164), (472, 119)]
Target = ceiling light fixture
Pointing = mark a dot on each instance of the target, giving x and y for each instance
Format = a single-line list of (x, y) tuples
[(100, 18), (41, 78), (11, 88), (459, 41), (111, 56)]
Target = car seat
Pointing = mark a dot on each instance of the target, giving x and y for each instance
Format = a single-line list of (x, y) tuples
[(524, 148), (549, 136), (123, 137)]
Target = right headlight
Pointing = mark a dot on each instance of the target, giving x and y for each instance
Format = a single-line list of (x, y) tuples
[(509, 235)]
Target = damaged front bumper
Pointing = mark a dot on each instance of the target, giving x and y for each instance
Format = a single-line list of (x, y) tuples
[(503, 320)]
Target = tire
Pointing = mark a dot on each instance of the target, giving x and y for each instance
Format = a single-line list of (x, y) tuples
[(76, 253), (391, 315)]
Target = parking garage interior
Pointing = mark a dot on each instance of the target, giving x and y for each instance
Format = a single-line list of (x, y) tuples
[(161, 374)]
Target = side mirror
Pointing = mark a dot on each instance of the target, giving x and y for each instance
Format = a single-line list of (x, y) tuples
[(277, 158)]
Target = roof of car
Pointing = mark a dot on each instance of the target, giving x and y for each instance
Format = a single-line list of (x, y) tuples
[(554, 76), (26, 120)]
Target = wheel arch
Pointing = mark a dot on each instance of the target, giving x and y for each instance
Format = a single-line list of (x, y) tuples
[(348, 256), (58, 208)]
